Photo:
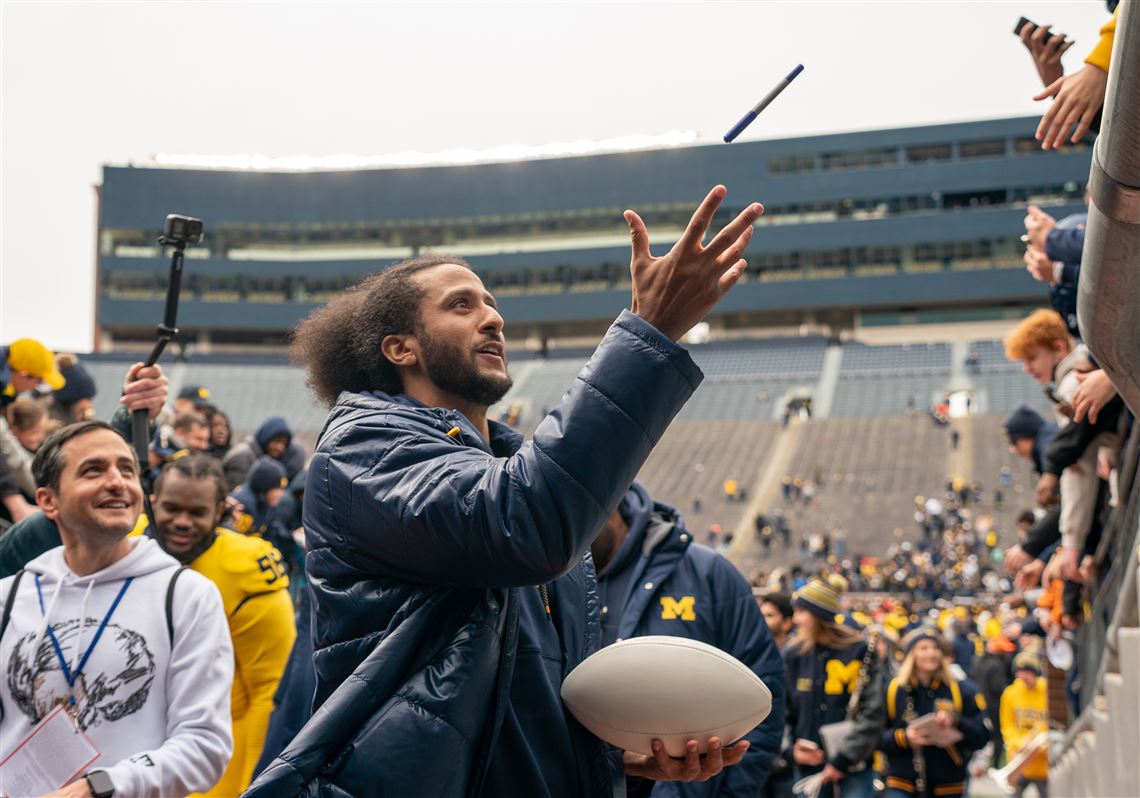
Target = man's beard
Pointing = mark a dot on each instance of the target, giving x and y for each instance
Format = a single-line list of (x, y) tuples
[(191, 554), (453, 369)]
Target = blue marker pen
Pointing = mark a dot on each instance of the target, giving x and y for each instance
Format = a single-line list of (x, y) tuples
[(747, 119)]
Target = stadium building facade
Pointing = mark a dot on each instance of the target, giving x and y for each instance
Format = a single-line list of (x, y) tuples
[(875, 227)]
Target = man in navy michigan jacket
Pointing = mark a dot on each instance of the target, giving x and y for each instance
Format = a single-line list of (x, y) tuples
[(653, 579), (448, 559)]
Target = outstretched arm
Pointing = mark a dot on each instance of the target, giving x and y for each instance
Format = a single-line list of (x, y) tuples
[(424, 507)]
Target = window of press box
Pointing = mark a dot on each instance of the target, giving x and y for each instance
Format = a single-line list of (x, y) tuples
[(990, 148), (973, 199), (790, 164), (927, 153), (859, 159)]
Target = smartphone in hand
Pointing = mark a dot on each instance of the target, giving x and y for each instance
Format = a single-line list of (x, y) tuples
[(1021, 23)]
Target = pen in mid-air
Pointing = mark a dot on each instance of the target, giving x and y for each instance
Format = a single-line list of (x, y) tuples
[(746, 120)]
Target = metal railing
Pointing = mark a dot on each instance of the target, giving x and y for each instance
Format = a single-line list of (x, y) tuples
[(1108, 309)]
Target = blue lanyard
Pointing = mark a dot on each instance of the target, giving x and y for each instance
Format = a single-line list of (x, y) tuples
[(67, 674)]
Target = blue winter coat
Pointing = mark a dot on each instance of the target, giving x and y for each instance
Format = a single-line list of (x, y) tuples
[(946, 768), (1065, 243), (673, 586), (423, 541)]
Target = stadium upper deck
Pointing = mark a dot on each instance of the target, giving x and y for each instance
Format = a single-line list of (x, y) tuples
[(916, 221)]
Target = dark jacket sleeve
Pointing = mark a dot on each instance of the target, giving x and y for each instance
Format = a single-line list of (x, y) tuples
[(870, 717), (121, 421), (25, 541), (1065, 244), (1070, 274), (747, 638), (790, 714), (8, 486), (972, 723), (1044, 533), (424, 507), (1069, 444)]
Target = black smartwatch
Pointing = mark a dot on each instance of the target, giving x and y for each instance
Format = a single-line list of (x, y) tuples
[(100, 783)]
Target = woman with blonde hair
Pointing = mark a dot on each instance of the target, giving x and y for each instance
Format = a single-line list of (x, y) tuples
[(834, 677), (934, 722)]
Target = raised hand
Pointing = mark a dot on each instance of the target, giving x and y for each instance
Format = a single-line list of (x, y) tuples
[(1038, 264), (1038, 225), (1046, 55), (144, 389), (676, 291), (1078, 99), (1096, 391)]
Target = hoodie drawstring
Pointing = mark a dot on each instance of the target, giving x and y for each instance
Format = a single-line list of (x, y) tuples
[(82, 624), (72, 676)]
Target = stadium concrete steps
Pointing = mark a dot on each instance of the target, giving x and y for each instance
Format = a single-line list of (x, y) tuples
[(828, 380), (764, 491), (1104, 759)]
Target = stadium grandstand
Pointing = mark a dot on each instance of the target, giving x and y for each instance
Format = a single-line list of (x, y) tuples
[(886, 269), (872, 228)]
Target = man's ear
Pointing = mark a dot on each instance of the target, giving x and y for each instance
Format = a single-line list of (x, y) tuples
[(399, 351), (48, 502)]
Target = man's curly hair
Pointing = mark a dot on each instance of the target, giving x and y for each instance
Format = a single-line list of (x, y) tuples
[(339, 343)]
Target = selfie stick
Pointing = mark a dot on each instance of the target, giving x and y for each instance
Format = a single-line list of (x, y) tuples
[(749, 117), (174, 234), (165, 331)]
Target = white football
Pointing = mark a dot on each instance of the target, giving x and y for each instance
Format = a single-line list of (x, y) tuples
[(666, 688)]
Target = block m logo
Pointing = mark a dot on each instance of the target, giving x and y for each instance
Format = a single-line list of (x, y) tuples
[(840, 676), (682, 608)]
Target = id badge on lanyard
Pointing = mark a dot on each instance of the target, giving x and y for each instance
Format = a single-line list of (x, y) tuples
[(52, 756)]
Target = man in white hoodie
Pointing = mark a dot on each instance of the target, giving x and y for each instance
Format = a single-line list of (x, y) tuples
[(84, 628)]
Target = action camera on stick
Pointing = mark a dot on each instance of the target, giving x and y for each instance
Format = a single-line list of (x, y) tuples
[(181, 230)]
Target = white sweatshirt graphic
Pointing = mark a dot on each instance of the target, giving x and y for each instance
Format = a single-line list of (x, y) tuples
[(159, 714)]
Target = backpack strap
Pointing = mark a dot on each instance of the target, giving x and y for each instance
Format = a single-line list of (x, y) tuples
[(170, 604), (10, 601)]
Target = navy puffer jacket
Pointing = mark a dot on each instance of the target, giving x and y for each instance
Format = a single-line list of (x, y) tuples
[(421, 537)]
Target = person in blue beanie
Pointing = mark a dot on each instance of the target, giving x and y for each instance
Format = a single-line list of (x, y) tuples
[(833, 675)]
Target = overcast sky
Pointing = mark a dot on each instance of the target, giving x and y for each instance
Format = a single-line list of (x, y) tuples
[(88, 84)]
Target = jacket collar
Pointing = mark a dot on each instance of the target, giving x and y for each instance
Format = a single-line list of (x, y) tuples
[(664, 542), (504, 440)]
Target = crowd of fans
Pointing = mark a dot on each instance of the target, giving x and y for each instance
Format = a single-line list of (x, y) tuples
[(909, 671)]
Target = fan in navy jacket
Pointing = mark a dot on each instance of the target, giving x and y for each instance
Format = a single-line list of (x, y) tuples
[(653, 579)]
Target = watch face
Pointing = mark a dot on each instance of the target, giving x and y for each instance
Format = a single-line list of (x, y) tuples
[(100, 784)]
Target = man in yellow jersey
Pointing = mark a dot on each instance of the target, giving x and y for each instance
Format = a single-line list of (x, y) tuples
[(189, 498), (1024, 715)]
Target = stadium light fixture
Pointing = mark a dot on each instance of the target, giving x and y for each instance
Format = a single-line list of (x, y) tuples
[(510, 152)]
